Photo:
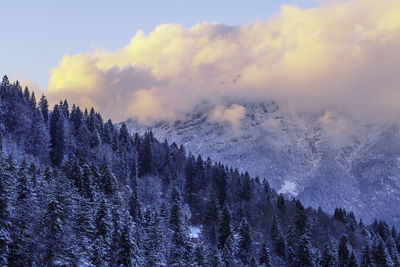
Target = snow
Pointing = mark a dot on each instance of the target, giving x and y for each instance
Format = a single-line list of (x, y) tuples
[(194, 231), (289, 188), (297, 154)]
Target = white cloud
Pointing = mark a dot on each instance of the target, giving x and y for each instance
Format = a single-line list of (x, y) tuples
[(233, 114), (341, 55), (288, 187)]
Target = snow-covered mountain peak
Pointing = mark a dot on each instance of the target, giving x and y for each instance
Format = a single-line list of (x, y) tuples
[(325, 159)]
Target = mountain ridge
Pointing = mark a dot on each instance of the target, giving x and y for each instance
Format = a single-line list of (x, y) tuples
[(298, 156)]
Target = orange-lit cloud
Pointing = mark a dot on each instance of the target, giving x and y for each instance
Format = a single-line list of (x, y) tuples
[(342, 55), (233, 114)]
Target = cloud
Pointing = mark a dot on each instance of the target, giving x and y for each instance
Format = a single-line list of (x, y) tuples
[(31, 84), (233, 114), (338, 128), (288, 188), (340, 55), (271, 124)]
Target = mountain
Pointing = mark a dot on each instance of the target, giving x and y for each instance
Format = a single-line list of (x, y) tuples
[(78, 191), (299, 155)]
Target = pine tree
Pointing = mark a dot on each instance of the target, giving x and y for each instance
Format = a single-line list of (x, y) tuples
[(190, 190), (199, 260), (104, 233), (244, 246), (5, 243), (109, 181), (84, 231), (44, 108), (5, 239), (380, 254), (328, 257), (277, 238), (301, 219), (19, 250), (39, 139), (246, 193), (128, 254), (343, 251), (146, 157), (224, 228), (214, 258), (304, 254), (352, 260), (366, 257), (135, 206), (57, 137), (264, 257), (228, 252), (280, 204), (178, 240), (210, 220), (220, 183)]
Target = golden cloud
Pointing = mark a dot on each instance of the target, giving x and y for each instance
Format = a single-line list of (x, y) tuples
[(342, 54)]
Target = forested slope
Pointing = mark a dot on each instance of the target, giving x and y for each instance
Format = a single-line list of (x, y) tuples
[(78, 191)]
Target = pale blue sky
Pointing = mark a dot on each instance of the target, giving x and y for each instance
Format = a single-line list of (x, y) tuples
[(36, 34)]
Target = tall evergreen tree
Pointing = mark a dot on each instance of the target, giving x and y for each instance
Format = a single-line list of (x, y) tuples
[(328, 257), (44, 108), (244, 246), (305, 257), (343, 251), (264, 257), (352, 260), (57, 137), (366, 257), (224, 228)]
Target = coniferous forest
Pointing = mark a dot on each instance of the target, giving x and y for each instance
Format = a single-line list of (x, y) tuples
[(78, 191)]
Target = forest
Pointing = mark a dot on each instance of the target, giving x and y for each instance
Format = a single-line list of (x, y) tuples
[(76, 190)]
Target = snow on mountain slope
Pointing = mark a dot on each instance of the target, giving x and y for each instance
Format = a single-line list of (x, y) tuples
[(300, 156)]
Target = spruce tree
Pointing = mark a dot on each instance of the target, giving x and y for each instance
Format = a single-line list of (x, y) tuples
[(277, 238), (366, 257), (328, 257), (304, 253), (244, 246), (178, 240), (264, 257), (352, 260), (199, 259), (224, 228), (343, 251), (128, 254), (57, 137), (44, 108), (380, 254)]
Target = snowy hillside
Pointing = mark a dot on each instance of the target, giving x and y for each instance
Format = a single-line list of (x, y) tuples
[(299, 156)]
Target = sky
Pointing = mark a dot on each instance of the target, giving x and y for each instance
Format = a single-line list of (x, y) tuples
[(38, 33), (157, 61)]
